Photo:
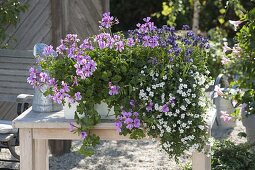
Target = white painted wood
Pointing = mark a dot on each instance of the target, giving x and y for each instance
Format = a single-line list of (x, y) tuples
[(41, 157), (26, 152), (101, 108), (104, 134), (200, 161), (54, 126)]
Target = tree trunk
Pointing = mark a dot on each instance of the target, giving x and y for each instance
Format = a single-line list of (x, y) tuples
[(195, 21)]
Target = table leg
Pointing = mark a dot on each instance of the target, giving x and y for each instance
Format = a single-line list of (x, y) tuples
[(26, 149), (41, 154)]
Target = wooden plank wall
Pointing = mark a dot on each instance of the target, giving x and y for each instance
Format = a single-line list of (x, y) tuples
[(35, 26), (45, 17), (14, 65), (45, 21)]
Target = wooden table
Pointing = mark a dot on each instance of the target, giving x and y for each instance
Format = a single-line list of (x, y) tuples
[(36, 129)]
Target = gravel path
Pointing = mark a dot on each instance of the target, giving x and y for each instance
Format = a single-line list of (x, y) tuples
[(126, 155)]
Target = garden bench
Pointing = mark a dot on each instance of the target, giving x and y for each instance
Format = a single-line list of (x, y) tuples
[(37, 128), (13, 74)]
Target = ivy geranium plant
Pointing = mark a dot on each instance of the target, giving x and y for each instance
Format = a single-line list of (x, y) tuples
[(155, 79), (240, 59)]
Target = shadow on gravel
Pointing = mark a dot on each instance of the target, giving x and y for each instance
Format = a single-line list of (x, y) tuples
[(221, 132)]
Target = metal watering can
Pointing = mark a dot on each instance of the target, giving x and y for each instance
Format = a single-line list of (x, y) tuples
[(40, 102), (223, 104)]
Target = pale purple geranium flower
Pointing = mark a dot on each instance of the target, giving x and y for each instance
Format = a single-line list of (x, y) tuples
[(84, 135), (130, 42), (48, 50), (119, 46), (226, 47), (107, 20), (77, 96), (114, 90), (225, 116), (65, 87), (43, 77), (217, 91), (225, 60)]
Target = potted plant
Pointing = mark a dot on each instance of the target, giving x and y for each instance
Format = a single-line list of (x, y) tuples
[(241, 58), (155, 79)]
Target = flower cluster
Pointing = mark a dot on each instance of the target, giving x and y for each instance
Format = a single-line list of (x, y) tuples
[(155, 79), (129, 120)]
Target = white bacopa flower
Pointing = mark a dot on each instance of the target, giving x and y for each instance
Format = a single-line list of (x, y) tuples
[(156, 74), (180, 80), (160, 108), (185, 86), (156, 106), (177, 111), (184, 125), (145, 67), (182, 116), (164, 77), (201, 80), (194, 85), (193, 95), (189, 90), (148, 89), (187, 100), (142, 72), (201, 127), (183, 107), (189, 122), (181, 130), (184, 94), (151, 94), (154, 87), (201, 103)]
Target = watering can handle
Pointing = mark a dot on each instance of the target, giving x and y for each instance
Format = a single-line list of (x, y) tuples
[(224, 80)]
